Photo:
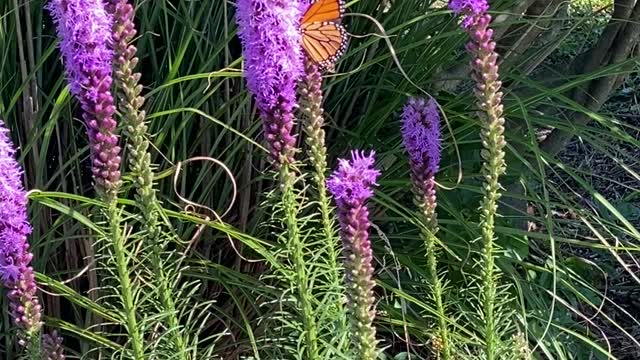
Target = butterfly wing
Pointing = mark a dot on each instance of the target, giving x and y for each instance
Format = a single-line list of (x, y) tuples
[(323, 37), (324, 42), (324, 11)]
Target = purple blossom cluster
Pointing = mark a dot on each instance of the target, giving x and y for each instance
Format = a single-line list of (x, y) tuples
[(422, 137), (52, 347), (84, 28), (421, 134), (352, 185), (470, 9), (16, 273), (271, 39)]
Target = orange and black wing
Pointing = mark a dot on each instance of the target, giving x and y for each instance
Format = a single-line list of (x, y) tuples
[(324, 42), (324, 11)]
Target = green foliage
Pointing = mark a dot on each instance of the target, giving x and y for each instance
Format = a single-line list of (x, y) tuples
[(586, 19), (229, 274)]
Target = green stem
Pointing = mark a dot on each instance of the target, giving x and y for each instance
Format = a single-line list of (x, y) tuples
[(486, 75), (493, 166), (325, 211), (311, 97), (122, 268), (164, 291), (491, 171), (287, 180), (33, 347), (140, 166), (443, 346), (426, 201), (130, 104)]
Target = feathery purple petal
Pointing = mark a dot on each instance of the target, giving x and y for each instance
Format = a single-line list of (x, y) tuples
[(84, 28), (304, 5), (354, 179), (14, 227)]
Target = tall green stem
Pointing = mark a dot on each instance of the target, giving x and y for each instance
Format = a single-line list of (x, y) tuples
[(122, 269), (289, 202), (441, 344), (33, 348), (489, 97), (135, 129), (311, 106), (425, 198)]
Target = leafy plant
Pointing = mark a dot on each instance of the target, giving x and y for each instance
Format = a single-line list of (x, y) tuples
[(228, 259)]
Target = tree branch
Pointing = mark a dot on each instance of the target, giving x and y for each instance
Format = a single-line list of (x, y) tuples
[(620, 47)]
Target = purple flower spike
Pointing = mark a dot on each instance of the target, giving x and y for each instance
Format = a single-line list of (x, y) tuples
[(271, 39), (421, 137), (16, 273), (84, 28), (484, 63), (471, 9), (421, 133), (352, 185)]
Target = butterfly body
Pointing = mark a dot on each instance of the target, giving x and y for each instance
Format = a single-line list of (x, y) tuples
[(324, 39)]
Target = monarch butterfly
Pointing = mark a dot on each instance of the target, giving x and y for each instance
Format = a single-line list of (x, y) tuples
[(324, 39)]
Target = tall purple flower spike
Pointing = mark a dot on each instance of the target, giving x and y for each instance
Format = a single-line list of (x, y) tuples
[(352, 185), (484, 64), (421, 137), (271, 39), (84, 28), (16, 273)]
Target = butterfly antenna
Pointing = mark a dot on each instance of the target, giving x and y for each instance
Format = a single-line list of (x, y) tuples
[(392, 50)]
